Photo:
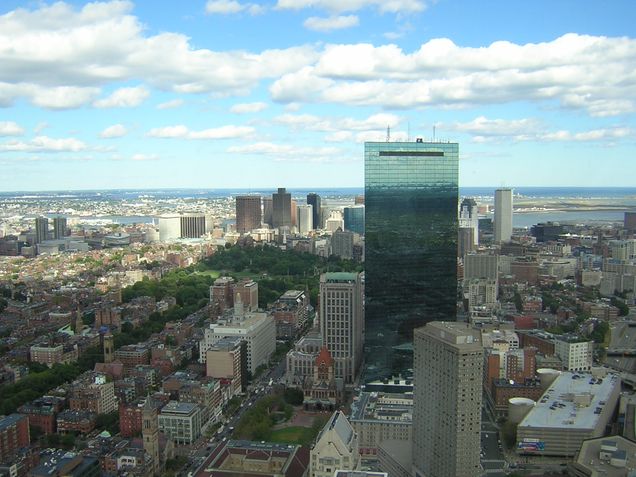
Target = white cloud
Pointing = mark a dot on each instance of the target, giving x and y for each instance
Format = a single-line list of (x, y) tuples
[(310, 122), (144, 157), (290, 153), (339, 136), (58, 56), (576, 71), (44, 144), (331, 23), (485, 130), (244, 108), (181, 131), (391, 6), (175, 103), (124, 98), (169, 131), (116, 130), (10, 128), (226, 7)]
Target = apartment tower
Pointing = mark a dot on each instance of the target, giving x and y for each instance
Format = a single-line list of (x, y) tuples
[(447, 394)]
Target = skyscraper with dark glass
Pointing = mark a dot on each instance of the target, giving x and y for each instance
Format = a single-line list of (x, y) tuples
[(411, 197), (313, 199)]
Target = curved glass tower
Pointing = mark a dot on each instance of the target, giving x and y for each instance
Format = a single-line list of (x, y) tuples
[(411, 197)]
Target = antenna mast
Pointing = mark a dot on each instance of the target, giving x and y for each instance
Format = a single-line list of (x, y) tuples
[(388, 134), (433, 133)]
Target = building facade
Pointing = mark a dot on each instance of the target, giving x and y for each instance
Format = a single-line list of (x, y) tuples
[(336, 447), (354, 218), (411, 199), (314, 200), (305, 219), (281, 208), (503, 215), (181, 422), (447, 400), (341, 322), (248, 213)]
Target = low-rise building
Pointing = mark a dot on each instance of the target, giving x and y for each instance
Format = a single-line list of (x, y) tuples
[(181, 422), (42, 413), (93, 393), (576, 355), (76, 421), (611, 456), (377, 417), (263, 459), (54, 354), (336, 447), (14, 435), (576, 407)]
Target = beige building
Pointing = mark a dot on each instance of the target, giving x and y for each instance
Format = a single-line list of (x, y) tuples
[(224, 362), (51, 355), (448, 367), (257, 329), (93, 393), (576, 355), (342, 322), (336, 448), (377, 417)]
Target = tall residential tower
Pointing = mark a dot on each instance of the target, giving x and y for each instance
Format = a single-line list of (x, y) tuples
[(411, 197), (449, 362)]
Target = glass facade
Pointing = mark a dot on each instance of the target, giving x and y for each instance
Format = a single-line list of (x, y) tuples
[(411, 197), (354, 219)]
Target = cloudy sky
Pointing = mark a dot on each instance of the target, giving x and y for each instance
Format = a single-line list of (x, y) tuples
[(229, 93)]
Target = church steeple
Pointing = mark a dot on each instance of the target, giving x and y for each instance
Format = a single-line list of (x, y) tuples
[(150, 433)]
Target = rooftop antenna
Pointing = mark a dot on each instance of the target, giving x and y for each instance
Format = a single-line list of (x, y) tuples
[(408, 133), (388, 134), (433, 133)]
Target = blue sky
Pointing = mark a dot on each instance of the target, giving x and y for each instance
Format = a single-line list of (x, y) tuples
[(223, 93)]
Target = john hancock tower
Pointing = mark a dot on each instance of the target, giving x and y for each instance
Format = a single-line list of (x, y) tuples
[(411, 197)]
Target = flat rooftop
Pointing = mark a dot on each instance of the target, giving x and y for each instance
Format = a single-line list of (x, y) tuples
[(557, 409)]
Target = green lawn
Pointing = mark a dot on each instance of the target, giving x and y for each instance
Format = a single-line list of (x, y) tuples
[(294, 435), (211, 273)]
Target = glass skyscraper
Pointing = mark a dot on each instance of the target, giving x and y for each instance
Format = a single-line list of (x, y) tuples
[(354, 218), (411, 197)]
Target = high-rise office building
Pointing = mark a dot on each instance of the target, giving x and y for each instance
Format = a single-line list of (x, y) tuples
[(268, 209), (468, 217), (281, 208), (192, 225), (449, 363), (313, 199), (59, 227), (503, 215), (294, 213), (248, 213), (354, 218), (305, 219), (411, 196), (41, 229), (341, 322)]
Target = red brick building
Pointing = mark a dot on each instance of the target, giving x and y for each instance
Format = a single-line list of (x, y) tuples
[(42, 413), (14, 435)]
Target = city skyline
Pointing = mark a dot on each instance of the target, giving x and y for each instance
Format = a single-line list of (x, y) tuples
[(126, 95)]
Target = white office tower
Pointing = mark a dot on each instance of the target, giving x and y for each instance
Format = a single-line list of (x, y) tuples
[(503, 215), (448, 372), (305, 219), (468, 218)]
